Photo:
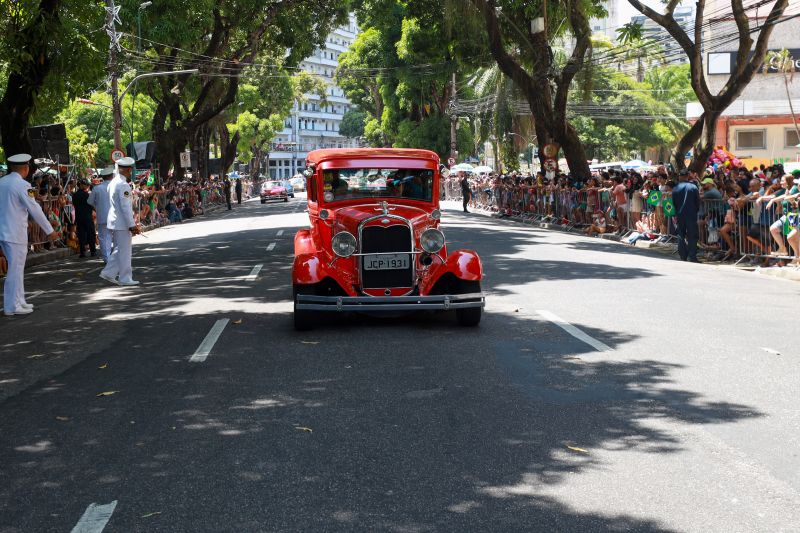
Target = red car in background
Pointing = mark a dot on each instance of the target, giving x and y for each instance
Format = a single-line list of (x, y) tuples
[(374, 243), (273, 190)]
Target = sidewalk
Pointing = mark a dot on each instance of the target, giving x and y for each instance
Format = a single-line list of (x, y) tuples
[(663, 249)]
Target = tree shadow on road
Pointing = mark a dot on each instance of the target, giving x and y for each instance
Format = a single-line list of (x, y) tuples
[(404, 424)]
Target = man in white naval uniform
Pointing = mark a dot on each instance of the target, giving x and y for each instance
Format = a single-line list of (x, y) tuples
[(122, 225), (17, 202), (99, 199)]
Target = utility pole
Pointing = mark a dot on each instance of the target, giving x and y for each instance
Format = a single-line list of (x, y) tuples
[(112, 19), (453, 119)]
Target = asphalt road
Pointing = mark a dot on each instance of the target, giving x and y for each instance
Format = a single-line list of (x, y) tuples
[(606, 389)]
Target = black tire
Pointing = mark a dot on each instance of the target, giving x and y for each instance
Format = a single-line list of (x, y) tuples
[(471, 316), (263, 201), (286, 199), (303, 320)]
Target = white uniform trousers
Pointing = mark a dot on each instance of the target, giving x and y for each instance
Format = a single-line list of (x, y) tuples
[(104, 236), (14, 288), (119, 264)]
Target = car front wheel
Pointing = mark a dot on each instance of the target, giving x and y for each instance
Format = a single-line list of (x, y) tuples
[(470, 316), (263, 201)]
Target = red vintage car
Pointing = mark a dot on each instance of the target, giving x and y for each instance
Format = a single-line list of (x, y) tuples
[(374, 243), (274, 190)]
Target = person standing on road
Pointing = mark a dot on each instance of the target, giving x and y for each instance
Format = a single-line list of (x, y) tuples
[(239, 191), (83, 219), (226, 186), (17, 202), (686, 198), (465, 190), (99, 199), (122, 225)]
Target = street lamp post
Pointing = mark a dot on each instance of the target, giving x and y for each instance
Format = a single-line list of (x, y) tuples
[(142, 7)]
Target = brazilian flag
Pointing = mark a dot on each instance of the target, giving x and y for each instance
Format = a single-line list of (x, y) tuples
[(654, 198), (151, 178), (669, 207)]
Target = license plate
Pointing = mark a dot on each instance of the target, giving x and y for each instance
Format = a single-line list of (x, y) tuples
[(386, 262)]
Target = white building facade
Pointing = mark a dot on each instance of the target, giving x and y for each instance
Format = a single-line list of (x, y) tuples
[(312, 126)]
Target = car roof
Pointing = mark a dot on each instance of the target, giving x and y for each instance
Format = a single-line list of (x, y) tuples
[(317, 156)]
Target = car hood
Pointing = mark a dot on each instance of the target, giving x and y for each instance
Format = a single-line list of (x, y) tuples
[(348, 218), (275, 190)]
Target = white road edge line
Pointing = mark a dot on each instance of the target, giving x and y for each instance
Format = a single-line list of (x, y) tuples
[(280, 232), (575, 332), (95, 518), (34, 295), (254, 273), (271, 246), (205, 347)]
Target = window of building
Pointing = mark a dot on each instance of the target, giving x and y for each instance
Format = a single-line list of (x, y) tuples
[(792, 138), (751, 139)]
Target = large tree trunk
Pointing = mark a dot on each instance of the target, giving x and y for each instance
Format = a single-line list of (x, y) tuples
[(678, 155), (705, 148), (27, 80), (575, 153)]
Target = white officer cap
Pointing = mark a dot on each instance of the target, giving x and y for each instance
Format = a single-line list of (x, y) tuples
[(108, 171), (126, 162), (19, 159)]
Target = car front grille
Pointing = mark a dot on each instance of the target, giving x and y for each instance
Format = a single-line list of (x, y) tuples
[(391, 239)]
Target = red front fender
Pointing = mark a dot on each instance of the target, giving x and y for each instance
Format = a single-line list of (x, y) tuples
[(463, 264), (309, 265)]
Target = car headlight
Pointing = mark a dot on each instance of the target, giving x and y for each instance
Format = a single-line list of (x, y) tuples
[(343, 244), (432, 240)]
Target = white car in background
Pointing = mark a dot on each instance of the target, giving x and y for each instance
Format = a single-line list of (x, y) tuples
[(298, 183)]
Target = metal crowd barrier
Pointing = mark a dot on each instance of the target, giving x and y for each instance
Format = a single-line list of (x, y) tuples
[(741, 230)]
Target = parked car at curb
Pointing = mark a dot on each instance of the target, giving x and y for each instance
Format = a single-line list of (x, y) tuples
[(273, 191), (374, 244)]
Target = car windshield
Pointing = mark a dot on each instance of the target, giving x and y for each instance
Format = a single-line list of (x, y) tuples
[(272, 185), (354, 183)]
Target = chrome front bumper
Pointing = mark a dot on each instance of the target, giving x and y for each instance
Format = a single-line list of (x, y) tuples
[(366, 304)]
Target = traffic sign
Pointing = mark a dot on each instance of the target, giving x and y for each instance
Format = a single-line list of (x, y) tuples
[(186, 159), (451, 161), (116, 155), (550, 164), (550, 150)]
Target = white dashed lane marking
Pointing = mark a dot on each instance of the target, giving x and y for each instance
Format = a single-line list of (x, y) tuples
[(280, 232), (271, 246), (254, 273), (575, 332), (34, 295), (95, 518), (201, 354)]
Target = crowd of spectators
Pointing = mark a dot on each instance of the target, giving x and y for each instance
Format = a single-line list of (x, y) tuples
[(745, 213), (155, 202)]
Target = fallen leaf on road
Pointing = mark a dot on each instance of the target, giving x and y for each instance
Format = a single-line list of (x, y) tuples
[(103, 367), (237, 322), (62, 418), (36, 356), (576, 449), (107, 393), (309, 342), (148, 515), (302, 428)]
